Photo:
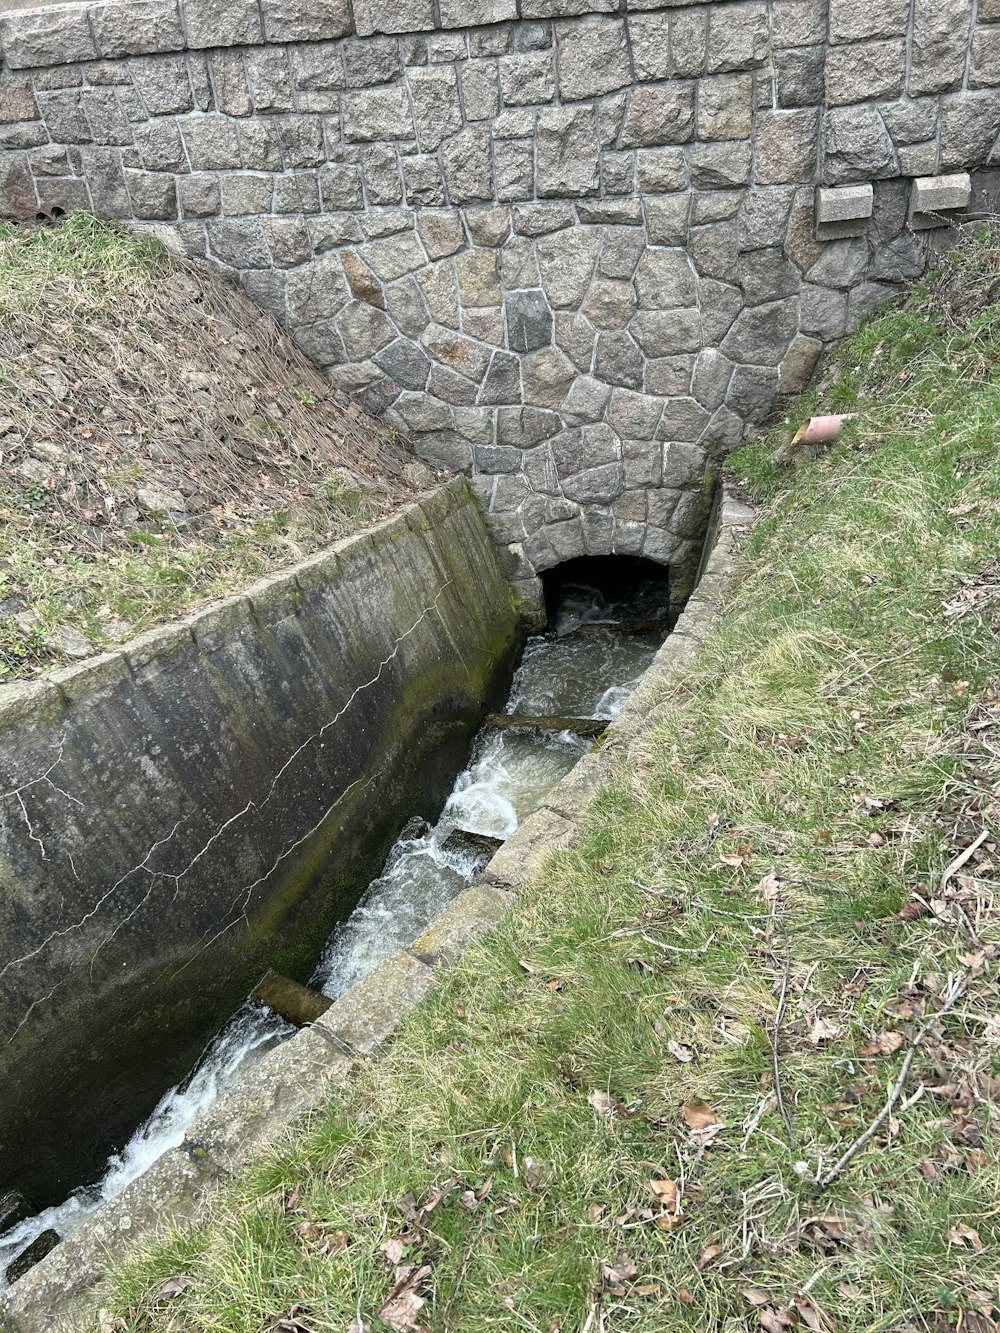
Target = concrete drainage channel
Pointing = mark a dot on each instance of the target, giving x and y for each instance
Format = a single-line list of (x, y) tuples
[(532, 771)]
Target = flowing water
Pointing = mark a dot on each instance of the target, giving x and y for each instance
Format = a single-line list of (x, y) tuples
[(582, 668)]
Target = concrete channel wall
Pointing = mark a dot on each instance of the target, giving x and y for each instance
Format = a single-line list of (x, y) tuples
[(182, 814), (570, 247), (64, 1291)]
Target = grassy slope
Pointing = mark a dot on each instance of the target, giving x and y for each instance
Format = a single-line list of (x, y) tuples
[(824, 762), (121, 372)]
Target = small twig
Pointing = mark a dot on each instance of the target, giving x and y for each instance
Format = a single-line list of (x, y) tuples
[(953, 867), (845, 684), (955, 990), (776, 1037)]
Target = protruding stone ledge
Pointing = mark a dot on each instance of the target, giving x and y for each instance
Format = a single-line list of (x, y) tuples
[(939, 201), (843, 210)]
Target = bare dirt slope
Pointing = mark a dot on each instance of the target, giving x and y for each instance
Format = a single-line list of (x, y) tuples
[(161, 441)]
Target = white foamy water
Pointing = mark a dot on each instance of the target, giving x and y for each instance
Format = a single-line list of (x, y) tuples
[(509, 773), (252, 1029), (507, 777)]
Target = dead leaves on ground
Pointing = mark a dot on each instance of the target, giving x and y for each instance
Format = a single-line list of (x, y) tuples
[(800, 1312)]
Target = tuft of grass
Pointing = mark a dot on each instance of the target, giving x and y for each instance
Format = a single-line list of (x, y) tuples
[(600, 1072), (105, 256)]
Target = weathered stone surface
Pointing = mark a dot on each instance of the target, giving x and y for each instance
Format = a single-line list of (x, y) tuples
[(591, 58), (855, 20), (659, 115), (566, 149), (969, 127), (56, 36), (865, 71), (761, 334), (858, 146), (787, 147), (468, 166), (529, 321)]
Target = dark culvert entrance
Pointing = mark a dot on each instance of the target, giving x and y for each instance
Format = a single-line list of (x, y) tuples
[(607, 617)]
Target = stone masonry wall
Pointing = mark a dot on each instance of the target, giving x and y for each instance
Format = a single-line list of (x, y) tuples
[(567, 246)]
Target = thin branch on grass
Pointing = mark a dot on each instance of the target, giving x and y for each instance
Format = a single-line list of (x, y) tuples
[(776, 1038), (956, 989), (953, 867)]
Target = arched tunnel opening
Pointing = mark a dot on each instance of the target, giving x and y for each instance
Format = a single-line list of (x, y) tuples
[(628, 591)]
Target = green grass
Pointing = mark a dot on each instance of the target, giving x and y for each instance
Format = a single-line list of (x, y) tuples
[(822, 764)]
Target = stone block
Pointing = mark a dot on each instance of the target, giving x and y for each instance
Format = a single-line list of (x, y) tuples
[(799, 22), (665, 280), (566, 152), (305, 20), (403, 16), (546, 376), (649, 36), (46, 36), (468, 165), (476, 13), (441, 232), (725, 107), (297, 192), (566, 263), (724, 165), (437, 111), (865, 71), (970, 123), (162, 84), (858, 20), (478, 278), (937, 201), (799, 76), (618, 360), (527, 79), (340, 187), (239, 242), (212, 143), (939, 45), (502, 383), (787, 147), (377, 114), (857, 145), (843, 210), (984, 68), (661, 170), (592, 57), (529, 321), (738, 37), (222, 22), (576, 336), (16, 99), (381, 174), (796, 370), (480, 90), (514, 170), (688, 41), (269, 78), (822, 312), (658, 115), (761, 334), (136, 27)]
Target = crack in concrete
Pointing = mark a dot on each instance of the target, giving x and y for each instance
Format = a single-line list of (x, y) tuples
[(176, 877)]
